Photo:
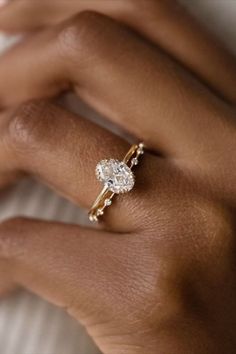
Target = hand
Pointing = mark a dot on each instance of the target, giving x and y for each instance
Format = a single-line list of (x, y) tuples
[(158, 276)]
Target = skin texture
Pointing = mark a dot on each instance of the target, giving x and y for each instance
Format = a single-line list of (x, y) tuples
[(158, 275)]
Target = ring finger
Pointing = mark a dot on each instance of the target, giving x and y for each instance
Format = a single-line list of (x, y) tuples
[(62, 150)]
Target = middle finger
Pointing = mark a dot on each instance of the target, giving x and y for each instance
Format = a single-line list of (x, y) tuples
[(122, 76)]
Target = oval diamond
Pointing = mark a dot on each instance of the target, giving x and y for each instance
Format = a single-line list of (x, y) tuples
[(115, 175)]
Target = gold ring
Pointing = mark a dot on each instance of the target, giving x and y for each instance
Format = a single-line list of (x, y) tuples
[(117, 177)]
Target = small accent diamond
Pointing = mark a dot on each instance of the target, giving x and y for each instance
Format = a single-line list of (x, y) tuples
[(100, 212), (134, 161), (93, 218), (140, 151)]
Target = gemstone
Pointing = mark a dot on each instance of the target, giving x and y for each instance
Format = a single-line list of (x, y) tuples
[(140, 151), (141, 145), (115, 175), (100, 212), (93, 218), (108, 202), (134, 161)]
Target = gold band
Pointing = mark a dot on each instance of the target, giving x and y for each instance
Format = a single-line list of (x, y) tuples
[(104, 199)]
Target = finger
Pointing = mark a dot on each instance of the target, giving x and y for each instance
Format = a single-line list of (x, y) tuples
[(82, 270), (166, 23), (8, 175), (27, 15), (7, 284), (62, 150), (63, 263), (179, 113)]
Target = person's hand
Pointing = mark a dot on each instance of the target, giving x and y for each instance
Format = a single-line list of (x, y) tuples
[(159, 275)]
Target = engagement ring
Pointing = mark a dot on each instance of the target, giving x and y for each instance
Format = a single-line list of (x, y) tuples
[(117, 177)]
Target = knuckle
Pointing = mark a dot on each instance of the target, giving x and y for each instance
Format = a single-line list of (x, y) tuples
[(89, 20), (27, 126), (82, 36)]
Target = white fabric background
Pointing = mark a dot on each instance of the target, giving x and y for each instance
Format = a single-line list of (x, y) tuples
[(29, 325)]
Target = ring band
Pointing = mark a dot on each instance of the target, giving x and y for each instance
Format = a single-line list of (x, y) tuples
[(117, 177)]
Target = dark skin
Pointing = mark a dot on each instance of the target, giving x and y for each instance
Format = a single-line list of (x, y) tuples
[(158, 275)]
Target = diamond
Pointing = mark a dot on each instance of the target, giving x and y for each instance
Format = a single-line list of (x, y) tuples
[(134, 161), (115, 175), (93, 218), (141, 145), (140, 151), (100, 212), (108, 202)]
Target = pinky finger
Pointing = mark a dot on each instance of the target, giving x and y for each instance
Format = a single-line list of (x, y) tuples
[(7, 285), (68, 265)]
